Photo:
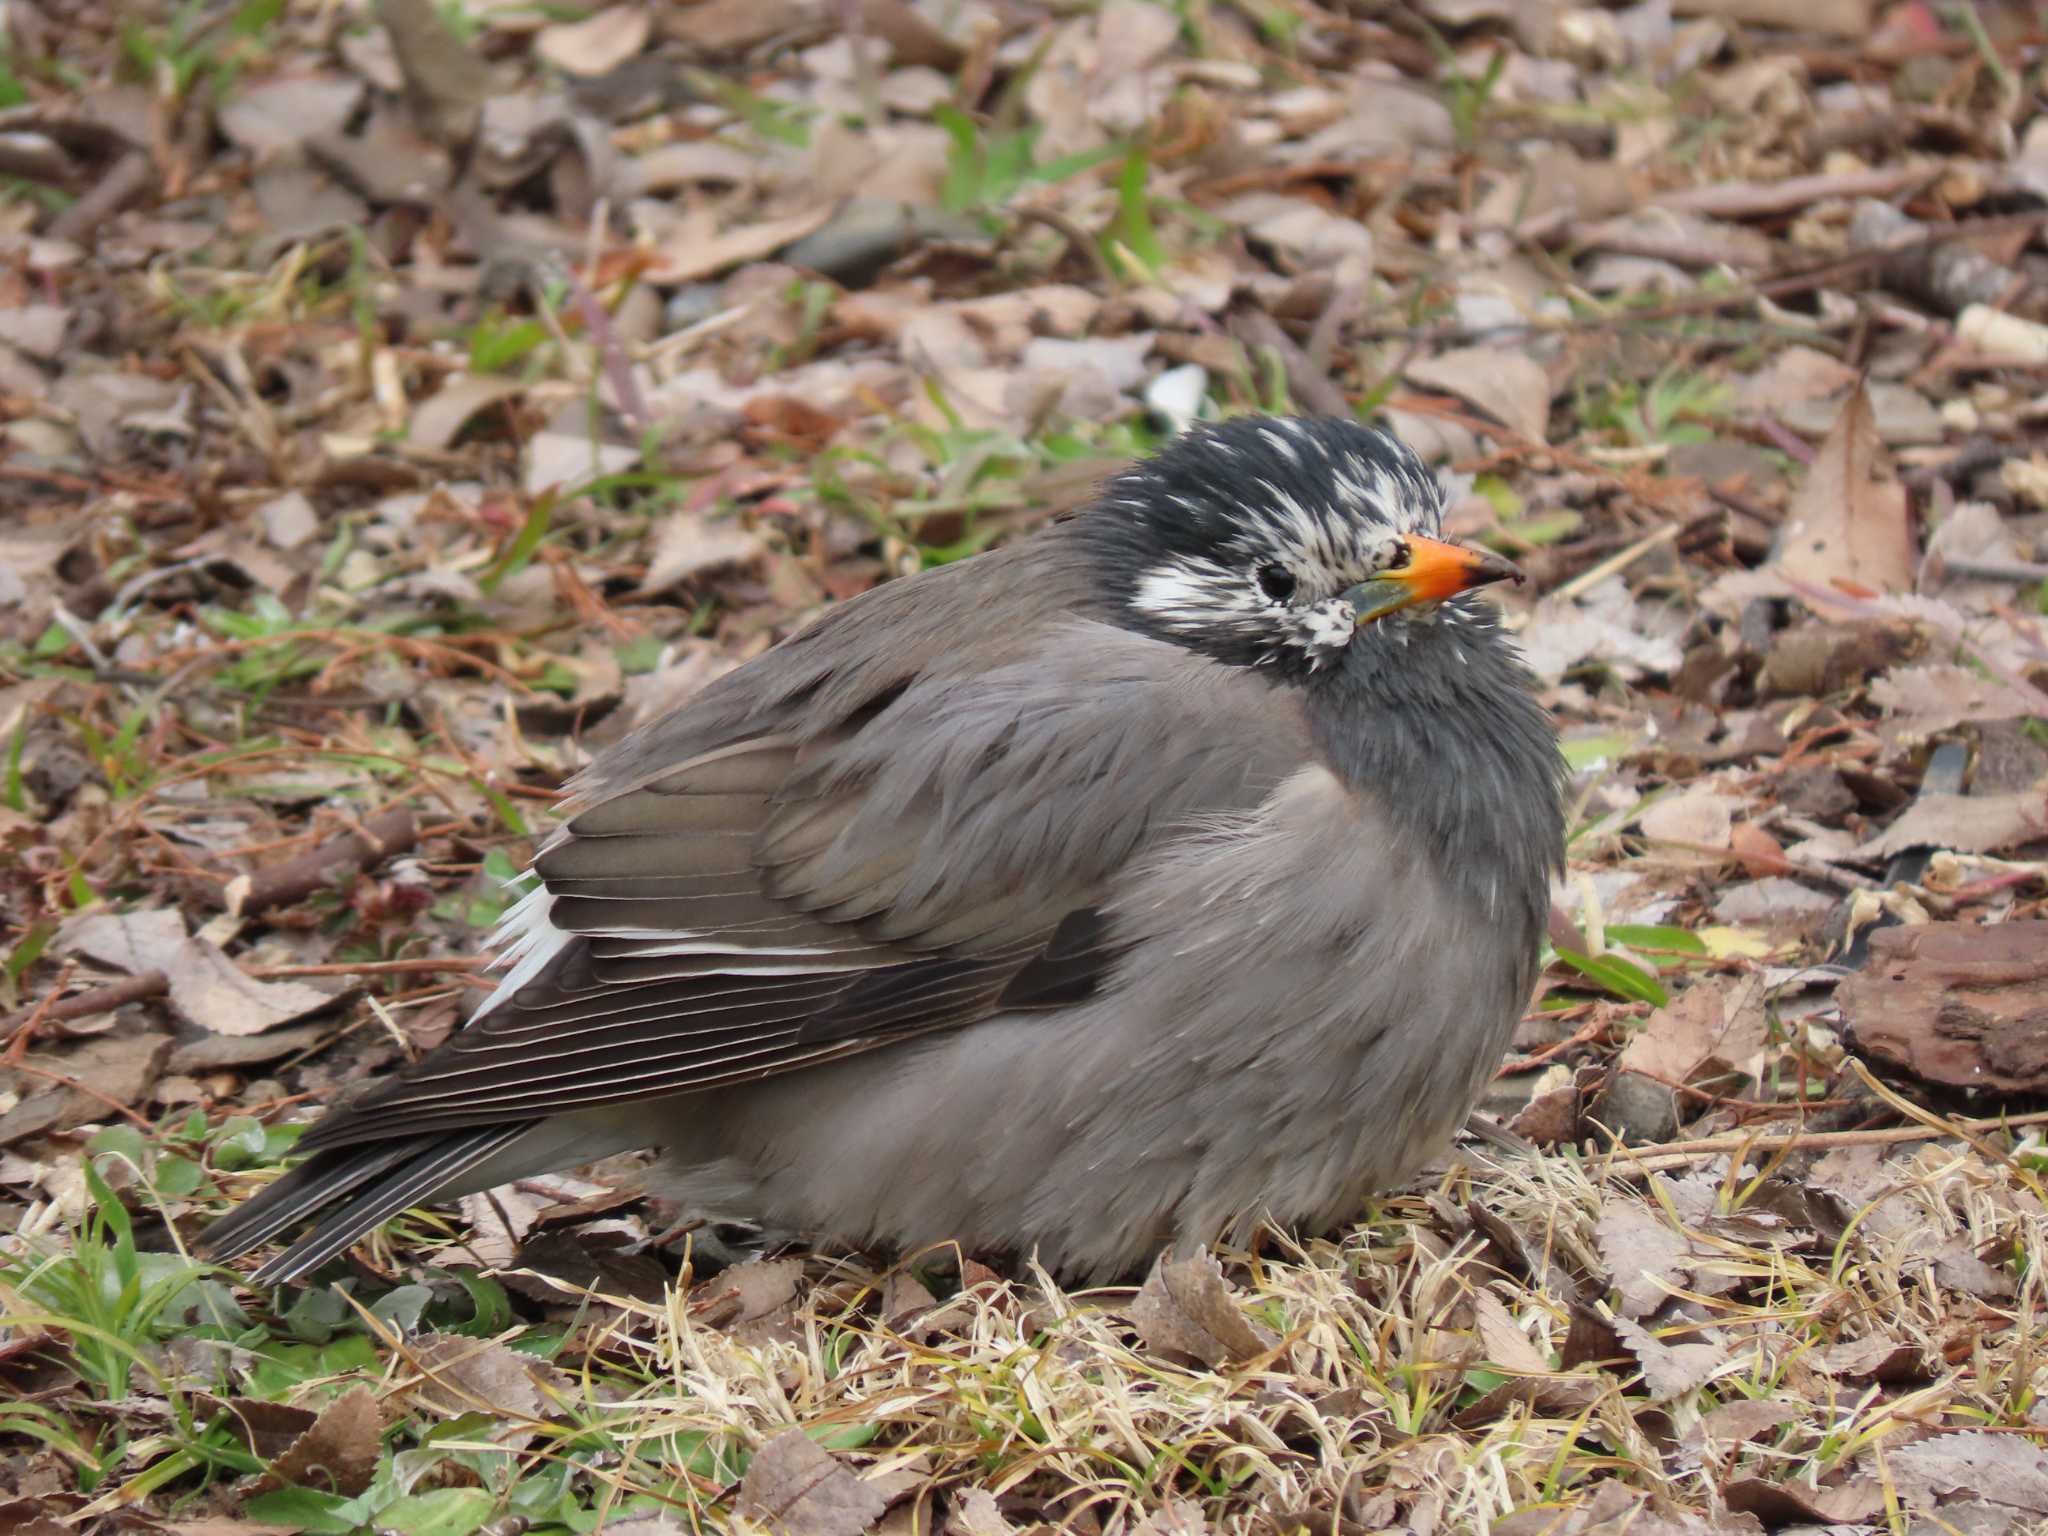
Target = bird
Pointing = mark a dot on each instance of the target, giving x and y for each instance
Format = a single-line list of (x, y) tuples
[(1181, 866)]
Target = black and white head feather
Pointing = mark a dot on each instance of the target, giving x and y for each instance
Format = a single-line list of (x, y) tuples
[(1240, 539)]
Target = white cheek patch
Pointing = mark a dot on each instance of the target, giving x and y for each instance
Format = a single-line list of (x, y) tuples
[(1326, 626), (1191, 595)]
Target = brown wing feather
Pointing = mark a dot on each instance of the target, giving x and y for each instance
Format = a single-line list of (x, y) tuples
[(769, 905)]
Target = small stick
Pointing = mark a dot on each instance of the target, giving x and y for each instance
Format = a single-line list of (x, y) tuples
[(90, 1092), (1682, 1153), (296, 879), (119, 994), (1621, 560), (372, 967)]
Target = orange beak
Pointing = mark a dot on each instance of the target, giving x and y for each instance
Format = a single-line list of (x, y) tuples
[(1432, 572)]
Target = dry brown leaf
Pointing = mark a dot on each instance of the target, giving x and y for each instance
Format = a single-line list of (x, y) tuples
[(1507, 1347), (795, 1487), (284, 111), (1964, 824), (213, 992), (568, 460), (695, 247), (717, 27), (598, 44), (975, 1513), (1793, 376), (288, 520), (1850, 524), (205, 985), (446, 83), (463, 1375), (1840, 18), (1711, 1027), (1927, 700), (108, 1070), (1699, 817), (1873, 1358), (1606, 625), (1534, 21), (2007, 1470), (1643, 1253), (1508, 386), (746, 1292), (439, 419), (1671, 1370), (1743, 1419), (338, 1452), (1185, 1306), (688, 544)]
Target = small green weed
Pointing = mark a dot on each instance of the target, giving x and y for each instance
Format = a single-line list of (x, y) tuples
[(987, 166), (1671, 408), (196, 48)]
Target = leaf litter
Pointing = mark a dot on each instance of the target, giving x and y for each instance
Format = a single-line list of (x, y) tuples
[(402, 401)]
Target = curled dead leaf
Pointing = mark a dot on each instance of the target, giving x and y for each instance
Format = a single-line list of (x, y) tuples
[(338, 1452), (1850, 526), (795, 1487), (1185, 1306)]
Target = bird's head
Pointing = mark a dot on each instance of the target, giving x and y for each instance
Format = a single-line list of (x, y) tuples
[(1277, 541)]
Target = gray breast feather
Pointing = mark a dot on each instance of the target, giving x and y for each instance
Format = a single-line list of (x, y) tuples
[(1304, 1014)]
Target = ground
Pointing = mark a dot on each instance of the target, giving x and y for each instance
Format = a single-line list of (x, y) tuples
[(400, 402)]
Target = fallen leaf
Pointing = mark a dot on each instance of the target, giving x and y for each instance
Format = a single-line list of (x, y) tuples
[(1508, 386), (796, 1488), (715, 28), (1793, 376), (1306, 234), (284, 111), (338, 1453), (1873, 1358), (37, 329), (1184, 1306), (696, 248), (463, 1375), (1605, 625), (975, 1513), (1840, 18), (688, 544), (1849, 524), (1645, 1256), (205, 985), (288, 520), (597, 44), (109, 1070), (1964, 824), (1506, 1346), (570, 460), (1698, 817), (1741, 1420), (746, 1292), (213, 992), (1670, 1370), (1925, 701), (2007, 1470), (1713, 1026), (440, 418)]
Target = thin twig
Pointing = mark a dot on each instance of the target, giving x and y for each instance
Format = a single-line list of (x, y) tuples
[(1681, 1154)]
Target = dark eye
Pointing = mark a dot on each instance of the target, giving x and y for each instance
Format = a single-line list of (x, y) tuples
[(1277, 582)]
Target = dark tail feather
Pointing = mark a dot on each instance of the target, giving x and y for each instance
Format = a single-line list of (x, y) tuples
[(400, 1174)]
